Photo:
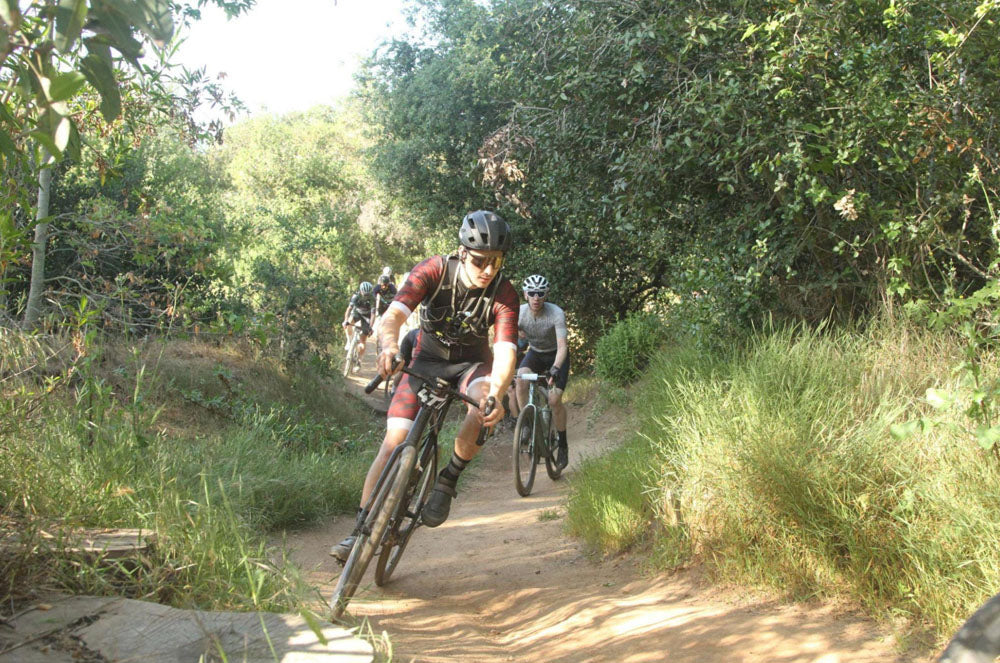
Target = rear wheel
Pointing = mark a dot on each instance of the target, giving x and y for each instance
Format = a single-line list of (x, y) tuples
[(379, 514), (407, 517), (551, 467), (978, 641), (524, 451)]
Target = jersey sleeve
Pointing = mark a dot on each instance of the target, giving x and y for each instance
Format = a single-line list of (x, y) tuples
[(505, 311), (354, 300), (421, 282), (560, 324)]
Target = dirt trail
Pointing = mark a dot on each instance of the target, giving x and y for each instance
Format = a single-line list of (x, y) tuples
[(501, 582)]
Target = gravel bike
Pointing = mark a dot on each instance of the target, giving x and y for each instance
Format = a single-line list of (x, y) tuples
[(978, 641), (534, 437), (351, 358), (392, 512)]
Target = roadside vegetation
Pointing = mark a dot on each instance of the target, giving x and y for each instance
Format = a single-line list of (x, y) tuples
[(212, 447), (815, 463)]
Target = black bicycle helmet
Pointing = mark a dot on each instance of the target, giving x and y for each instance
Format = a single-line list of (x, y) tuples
[(483, 230)]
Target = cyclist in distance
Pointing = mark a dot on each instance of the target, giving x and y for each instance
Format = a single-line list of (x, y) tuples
[(544, 325), (463, 296), (384, 292), (361, 308)]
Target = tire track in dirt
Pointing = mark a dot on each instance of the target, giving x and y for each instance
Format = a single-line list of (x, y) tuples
[(501, 582)]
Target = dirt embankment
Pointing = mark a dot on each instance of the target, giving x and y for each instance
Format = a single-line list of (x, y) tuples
[(500, 581)]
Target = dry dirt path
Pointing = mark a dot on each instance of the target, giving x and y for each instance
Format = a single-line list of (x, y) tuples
[(500, 581)]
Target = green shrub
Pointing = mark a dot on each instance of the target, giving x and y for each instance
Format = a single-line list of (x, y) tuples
[(605, 507), (625, 350)]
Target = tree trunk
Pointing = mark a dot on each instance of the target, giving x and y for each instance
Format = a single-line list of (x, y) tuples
[(33, 307)]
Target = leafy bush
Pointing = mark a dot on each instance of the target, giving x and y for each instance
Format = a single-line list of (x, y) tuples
[(624, 351)]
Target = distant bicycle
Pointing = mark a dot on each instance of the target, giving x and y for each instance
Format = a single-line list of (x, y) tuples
[(392, 513), (352, 360), (978, 641), (534, 437)]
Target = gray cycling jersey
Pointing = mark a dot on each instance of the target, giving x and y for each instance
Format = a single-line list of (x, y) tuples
[(542, 330)]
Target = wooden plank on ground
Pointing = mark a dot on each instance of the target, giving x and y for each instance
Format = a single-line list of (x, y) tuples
[(108, 543)]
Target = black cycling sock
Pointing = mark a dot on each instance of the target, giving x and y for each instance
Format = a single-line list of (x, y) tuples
[(454, 468), (562, 437)]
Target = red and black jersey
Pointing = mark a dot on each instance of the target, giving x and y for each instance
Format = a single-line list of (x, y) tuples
[(455, 314)]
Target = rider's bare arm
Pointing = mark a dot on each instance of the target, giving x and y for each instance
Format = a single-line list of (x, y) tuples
[(562, 351), (504, 358), (392, 320)]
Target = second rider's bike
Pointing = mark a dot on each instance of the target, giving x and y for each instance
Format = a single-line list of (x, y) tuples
[(351, 358), (534, 437), (392, 512)]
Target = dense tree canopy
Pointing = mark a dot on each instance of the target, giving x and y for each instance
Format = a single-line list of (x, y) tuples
[(808, 158)]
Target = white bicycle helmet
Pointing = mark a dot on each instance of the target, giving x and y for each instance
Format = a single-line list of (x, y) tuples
[(366, 288), (537, 283), (387, 271)]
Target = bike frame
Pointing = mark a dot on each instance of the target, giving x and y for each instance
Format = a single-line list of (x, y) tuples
[(538, 392), (424, 414), (376, 525)]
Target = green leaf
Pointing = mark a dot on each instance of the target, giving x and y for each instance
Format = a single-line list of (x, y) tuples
[(938, 399), (70, 17), (152, 17), (7, 147), (64, 86), (119, 32), (10, 13), (56, 126), (46, 141), (98, 70), (903, 431), (74, 143), (315, 624), (988, 436)]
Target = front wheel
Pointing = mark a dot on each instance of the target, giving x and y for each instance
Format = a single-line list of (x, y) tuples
[(351, 357), (978, 641), (407, 517), (381, 510), (524, 451)]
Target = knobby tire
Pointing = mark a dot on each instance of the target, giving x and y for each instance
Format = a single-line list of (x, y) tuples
[(383, 506), (978, 641), (406, 517), (351, 355), (524, 459)]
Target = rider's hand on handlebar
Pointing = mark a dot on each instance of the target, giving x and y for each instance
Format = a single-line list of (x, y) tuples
[(494, 417), (553, 374), (384, 362)]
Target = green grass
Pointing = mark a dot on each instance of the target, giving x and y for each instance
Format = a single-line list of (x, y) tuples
[(118, 443), (775, 466)]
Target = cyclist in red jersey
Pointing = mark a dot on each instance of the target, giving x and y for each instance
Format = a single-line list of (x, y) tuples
[(463, 295)]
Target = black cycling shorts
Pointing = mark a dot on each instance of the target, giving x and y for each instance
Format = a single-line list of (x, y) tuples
[(541, 362), (366, 327)]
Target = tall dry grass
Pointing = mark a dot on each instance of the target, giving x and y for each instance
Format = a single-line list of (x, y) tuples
[(774, 464)]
